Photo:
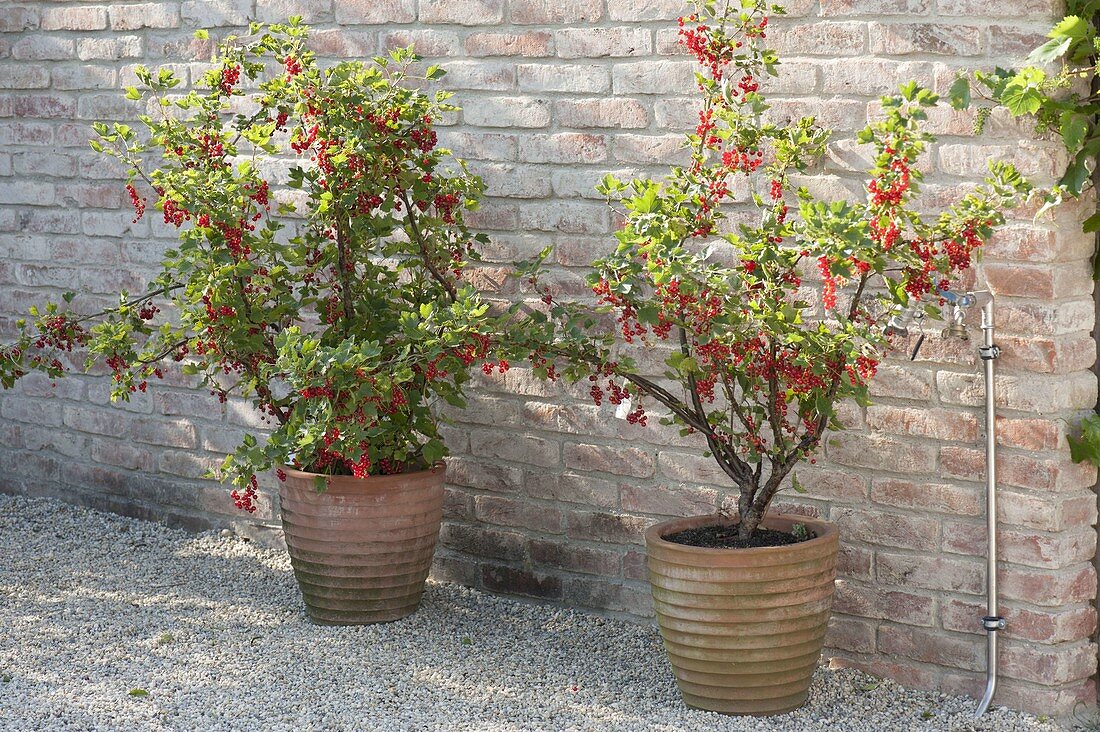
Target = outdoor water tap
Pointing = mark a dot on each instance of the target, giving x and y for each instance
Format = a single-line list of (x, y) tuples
[(956, 328), (900, 321)]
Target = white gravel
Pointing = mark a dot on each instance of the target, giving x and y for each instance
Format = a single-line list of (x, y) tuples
[(109, 623)]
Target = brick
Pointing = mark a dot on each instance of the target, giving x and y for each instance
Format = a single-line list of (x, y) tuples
[(586, 592), (462, 12), (649, 149), (887, 529), (930, 573), (1011, 40), (936, 424), (217, 13), (44, 106), (572, 78), (562, 12), (606, 527), (481, 145), (874, 8), (484, 475), (1040, 282), (521, 582), (829, 38), (935, 38), (86, 18), (878, 603), (21, 76), (511, 512), (1048, 666), (1026, 393), (573, 488), (872, 77), (1023, 471), (573, 558), (879, 451), (341, 43), (609, 112), (902, 380), (122, 455), (43, 48), (597, 42), (113, 48), (635, 11), (27, 192), (480, 541), (615, 459), (44, 163), (653, 77), (973, 160), (429, 43), (1056, 626), (1028, 434), (530, 44), (851, 634), (509, 112), (570, 218), (563, 148), (669, 500), (967, 500), (480, 75), (932, 646), (520, 448), (18, 19), (145, 15), (1027, 244), (83, 77), (350, 12), (1028, 547), (1048, 588), (277, 11)]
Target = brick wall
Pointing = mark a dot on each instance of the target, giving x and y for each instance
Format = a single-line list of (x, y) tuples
[(551, 494)]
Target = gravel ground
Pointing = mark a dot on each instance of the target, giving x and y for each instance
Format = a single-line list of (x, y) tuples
[(114, 624)]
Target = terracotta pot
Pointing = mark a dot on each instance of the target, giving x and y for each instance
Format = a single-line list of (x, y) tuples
[(361, 550), (743, 627)]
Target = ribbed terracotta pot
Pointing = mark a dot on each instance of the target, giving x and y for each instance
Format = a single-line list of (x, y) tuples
[(361, 550), (743, 628)]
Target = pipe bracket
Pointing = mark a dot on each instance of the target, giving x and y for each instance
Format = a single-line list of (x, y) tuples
[(988, 353), (993, 622)]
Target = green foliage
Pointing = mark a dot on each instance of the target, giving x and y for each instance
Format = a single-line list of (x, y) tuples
[(754, 361), (1054, 98), (319, 268), (1086, 447)]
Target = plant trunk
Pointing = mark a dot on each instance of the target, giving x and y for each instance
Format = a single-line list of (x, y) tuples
[(749, 521)]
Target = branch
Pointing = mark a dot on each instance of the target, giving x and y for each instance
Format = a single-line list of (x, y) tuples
[(424, 253)]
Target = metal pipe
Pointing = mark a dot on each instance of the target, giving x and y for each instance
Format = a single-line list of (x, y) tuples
[(992, 622)]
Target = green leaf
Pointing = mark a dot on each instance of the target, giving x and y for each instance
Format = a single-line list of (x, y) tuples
[(796, 484), (1087, 446), (132, 93), (1049, 51), (434, 73), (202, 34), (1070, 26), (1074, 127), (138, 692), (1022, 94), (959, 93), (1091, 224)]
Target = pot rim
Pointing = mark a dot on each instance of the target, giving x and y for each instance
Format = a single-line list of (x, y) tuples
[(827, 533), (438, 466)]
